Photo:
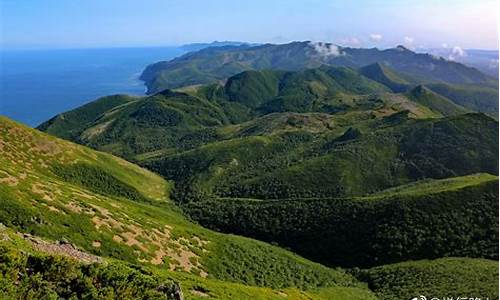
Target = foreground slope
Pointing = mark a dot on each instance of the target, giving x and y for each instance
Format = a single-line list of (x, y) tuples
[(108, 207), (28, 271)]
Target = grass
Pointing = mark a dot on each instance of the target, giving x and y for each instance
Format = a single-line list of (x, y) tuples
[(435, 102), (428, 186), (483, 99), (153, 233), (28, 273)]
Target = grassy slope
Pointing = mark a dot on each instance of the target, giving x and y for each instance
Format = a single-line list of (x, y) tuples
[(115, 279), (41, 202), (436, 186), (71, 124), (435, 102), (386, 76), (37, 200), (473, 97), (28, 273), (483, 99), (161, 121)]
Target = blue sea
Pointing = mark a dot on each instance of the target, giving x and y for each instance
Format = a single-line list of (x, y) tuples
[(35, 85)]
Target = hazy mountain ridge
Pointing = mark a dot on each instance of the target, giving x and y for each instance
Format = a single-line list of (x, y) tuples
[(198, 46), (217, 63), (484, 60)]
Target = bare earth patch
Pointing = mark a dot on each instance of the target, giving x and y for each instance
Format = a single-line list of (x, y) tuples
[(45, 147), (54, 209), (282, 294), (41, 190), (9, 180), (199, 293), (61, 248), (74, 207), (95, 131)]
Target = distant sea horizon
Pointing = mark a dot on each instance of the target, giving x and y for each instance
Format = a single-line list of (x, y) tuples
[(37, 84)]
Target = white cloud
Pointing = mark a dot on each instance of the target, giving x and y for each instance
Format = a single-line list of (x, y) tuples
[(409, 40), (350, 41), (456, 53), (444, 45), (493, 64), (375, 37), (434, 56), (325, 49)]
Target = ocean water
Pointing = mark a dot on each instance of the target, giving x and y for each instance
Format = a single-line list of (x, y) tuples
[(35, 85)]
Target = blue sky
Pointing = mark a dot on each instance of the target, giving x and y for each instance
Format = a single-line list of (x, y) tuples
[(364, 23)]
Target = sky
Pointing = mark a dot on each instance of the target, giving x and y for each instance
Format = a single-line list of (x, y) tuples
[(143, 23)]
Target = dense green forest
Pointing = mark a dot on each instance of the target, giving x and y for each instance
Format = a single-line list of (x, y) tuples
[(300, 164), (435, 278), (370, 230)]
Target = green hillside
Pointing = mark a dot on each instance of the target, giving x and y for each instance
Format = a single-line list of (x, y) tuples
[(477, 98), (173, 121), (438, 278), (483, 99), (408, 223), (76, 223), (72, 124), (315, 90), (435, 102), (346, 162), (107, 207), (140, 126), (386, 76)]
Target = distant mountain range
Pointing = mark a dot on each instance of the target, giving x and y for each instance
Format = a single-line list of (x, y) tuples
[(484, 60), (214, 64), (199, 46)]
